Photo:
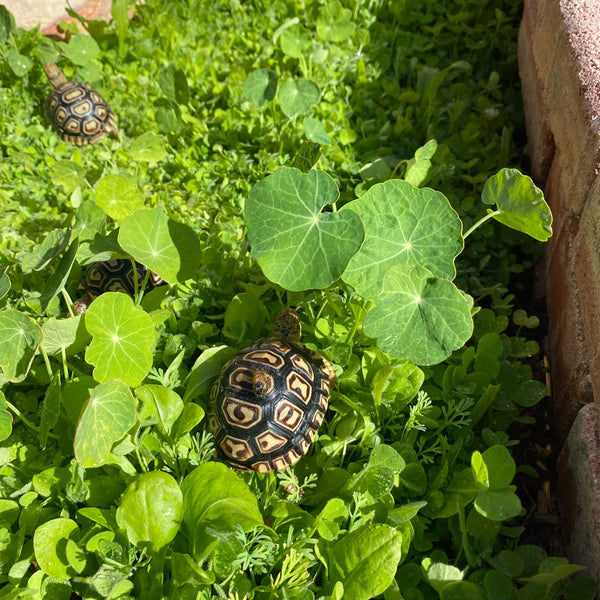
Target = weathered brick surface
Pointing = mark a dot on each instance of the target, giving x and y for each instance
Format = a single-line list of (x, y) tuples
[(562, 105)]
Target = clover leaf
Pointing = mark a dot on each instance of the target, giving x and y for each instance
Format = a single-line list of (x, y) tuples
[(296, 244), (418, 316), (123, 337), (403, 224)]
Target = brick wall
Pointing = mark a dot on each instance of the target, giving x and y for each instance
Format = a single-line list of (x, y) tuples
[(558, 56)]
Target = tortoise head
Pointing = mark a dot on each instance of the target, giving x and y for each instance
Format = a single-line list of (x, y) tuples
[(287, 326), (54, 74)]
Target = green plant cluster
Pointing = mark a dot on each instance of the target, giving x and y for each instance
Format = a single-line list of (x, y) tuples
[(331, 156)]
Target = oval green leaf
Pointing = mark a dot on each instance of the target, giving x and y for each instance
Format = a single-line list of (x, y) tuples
[(403, 224), (123, 337), (107, 416), (295, 40), (69, 174), (365, 560), (148, 147), (151, 509), (215, 498), (520, 202), (297, 96), (298, 246), (498, 505), (118, 196), (169, 248), (419, 317), (20, 337)]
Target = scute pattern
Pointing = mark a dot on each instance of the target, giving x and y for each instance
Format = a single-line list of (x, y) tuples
[(79, 114), (270, 430)]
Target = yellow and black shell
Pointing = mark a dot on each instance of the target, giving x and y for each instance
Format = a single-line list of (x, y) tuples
[(268, 404), (76, 111), (116, 275)]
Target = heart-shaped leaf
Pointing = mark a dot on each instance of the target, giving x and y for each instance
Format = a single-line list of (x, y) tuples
[(123, 336), (107, 416), (20, 337), (151, 509), (298, 246), (169, 248), (520, 202), (418, 316), (118, 196), (403, 224), (297, 96)]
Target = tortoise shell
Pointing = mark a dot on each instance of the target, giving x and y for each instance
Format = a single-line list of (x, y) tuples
[(76, 111), (114, 275), (268, 404)]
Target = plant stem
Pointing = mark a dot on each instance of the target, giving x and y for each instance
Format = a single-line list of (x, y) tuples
[(25, 420), (481, 221)]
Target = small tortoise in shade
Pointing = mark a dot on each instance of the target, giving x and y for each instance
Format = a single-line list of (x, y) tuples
[(270, 400), (78, 113), (114, 275)]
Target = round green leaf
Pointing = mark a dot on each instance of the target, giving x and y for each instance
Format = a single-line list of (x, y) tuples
[(55, 550), (295, 41), (297, 96), (403, 224), (82, 50), (169, 248), (118, 196), (261, 86), (520, 202), (365, 560), (20, 337), (298, 246), (498, 505), (19, 63), (151, 509), (123, 336), (106, 418), (69, 174), (148, 147), (315, 131), (334, 23), (418, 316)]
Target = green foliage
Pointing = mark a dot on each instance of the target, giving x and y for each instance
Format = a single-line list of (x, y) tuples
[(322, 155)]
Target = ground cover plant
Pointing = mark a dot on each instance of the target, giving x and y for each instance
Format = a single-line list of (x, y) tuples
[(354, 160)]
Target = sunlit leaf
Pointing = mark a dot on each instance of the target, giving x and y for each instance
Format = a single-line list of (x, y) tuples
[(56, 552), (334, 22), (82, 50), (261, 86), (20, 337), (297, 96), (148, 147), (118, 196)]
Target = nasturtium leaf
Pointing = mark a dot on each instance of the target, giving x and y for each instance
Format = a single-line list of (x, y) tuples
[(53, 543), (123, 337), (261, 86), (20, 337), (520, 202), (105, 419), (65, 335), (365, 560), (69, 174), (174, 85), (216, 499), (334, 23), (118, 196), (295, 41), (418, 316), (52, 245), (498, 505), (89, 219), (169, 248), (403, 224), (297, 96), (19, 63), (81, 50), (315, 131), (298, 246), (5, 423), (148, 147), (151, 509)]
